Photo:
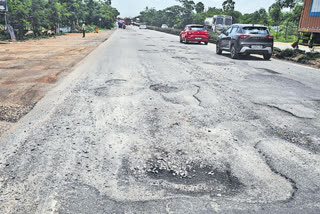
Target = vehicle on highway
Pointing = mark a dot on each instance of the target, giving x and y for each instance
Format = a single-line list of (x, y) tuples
[(246, 39), (194, 33), (218, 23), (164, 26), (143, 26)]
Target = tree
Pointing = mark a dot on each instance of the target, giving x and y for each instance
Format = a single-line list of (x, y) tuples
[(199, 7), (228, 5)]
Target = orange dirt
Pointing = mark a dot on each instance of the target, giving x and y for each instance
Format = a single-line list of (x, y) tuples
[(29, 69)]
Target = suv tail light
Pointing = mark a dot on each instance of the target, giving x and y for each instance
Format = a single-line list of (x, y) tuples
[(244, 36), (269, 37)]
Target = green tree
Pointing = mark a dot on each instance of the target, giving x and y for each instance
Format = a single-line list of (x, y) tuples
[(199, 7), (228, 5)]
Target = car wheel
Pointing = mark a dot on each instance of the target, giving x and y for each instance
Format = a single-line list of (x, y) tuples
[(218, 50), (234, 54), (206, 43), (267, 56), (181, 40), (185, 40)]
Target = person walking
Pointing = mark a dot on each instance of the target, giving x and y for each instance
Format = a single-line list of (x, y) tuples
[(84, 30)]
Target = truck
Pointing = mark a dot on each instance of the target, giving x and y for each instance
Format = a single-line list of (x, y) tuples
[(218, 23), (127, 21), (309, 25)]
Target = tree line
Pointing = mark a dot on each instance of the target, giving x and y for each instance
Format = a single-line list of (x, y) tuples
[(36, 15), (283, 13)]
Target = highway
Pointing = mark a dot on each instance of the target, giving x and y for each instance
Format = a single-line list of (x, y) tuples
[(145, 124)]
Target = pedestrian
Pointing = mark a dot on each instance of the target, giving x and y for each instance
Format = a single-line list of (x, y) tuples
[(84, 30)]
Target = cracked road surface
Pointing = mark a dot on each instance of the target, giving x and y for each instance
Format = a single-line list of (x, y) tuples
[(148, 125)]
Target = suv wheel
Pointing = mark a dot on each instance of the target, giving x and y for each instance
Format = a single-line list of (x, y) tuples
[(180, 39), (218, 50), (185, 40), (234, 54), (267, 56)]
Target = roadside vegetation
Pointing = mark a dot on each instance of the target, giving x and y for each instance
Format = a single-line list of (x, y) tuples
[(282, 16), (298, 56), (39, 15)]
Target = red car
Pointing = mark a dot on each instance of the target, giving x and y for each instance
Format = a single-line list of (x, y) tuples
[(194, 33)]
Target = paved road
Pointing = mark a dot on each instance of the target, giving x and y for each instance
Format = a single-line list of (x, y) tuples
[(148, 125)]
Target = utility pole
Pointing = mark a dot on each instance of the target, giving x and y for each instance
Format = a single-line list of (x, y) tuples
[(4, 10)]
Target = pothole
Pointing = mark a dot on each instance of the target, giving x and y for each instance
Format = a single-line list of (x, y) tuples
[(163, 88), (218, 63), (296, 138), (149, 51), (194, 178), (268, 70), (115, 81), (179, 57)]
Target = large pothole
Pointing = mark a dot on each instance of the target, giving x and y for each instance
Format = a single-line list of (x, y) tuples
[(194, 178)]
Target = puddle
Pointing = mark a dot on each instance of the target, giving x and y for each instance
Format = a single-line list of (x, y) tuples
[(163, 88)]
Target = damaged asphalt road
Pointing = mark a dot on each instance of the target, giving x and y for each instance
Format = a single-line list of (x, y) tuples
[(148, 125)]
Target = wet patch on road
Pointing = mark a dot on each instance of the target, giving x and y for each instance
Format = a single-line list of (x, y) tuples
[(163, 88)]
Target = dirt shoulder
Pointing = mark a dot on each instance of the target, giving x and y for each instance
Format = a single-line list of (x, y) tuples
[(29, 69)]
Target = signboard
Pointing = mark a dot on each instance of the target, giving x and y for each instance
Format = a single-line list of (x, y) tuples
[(3, 5), (315, 8)]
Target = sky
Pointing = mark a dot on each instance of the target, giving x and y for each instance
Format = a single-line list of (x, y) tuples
[(132, 8)]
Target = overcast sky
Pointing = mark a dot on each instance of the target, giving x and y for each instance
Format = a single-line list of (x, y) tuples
[(133, 7)]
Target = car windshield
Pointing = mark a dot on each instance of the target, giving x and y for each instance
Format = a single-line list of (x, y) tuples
[(219, 21), (255, 30), (228, 21), (197, 28)]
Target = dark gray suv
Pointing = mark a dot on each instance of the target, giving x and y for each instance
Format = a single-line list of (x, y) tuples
[(246, 39)]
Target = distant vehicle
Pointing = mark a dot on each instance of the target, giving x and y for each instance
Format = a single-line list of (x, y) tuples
[(309, 25), (218, 23), (120, 23), (194, 33), (127, 21), (246, 39), (143, 26), (164, 26)]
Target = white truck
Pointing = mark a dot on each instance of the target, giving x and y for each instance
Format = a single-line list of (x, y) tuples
[(218, 23)]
